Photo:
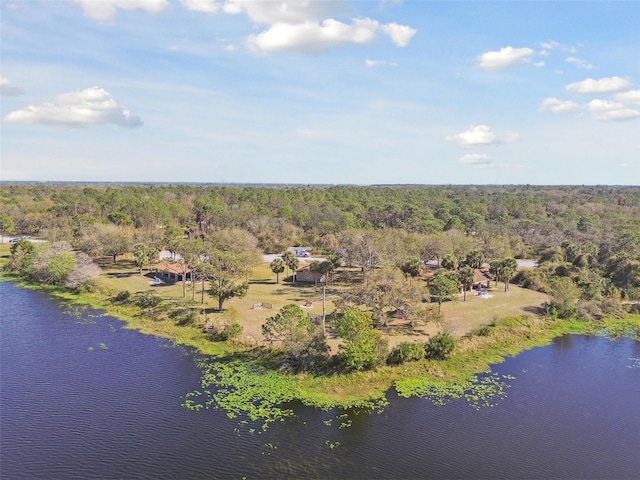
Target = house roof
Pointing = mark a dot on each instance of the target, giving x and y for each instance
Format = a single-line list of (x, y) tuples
[(480, 276), (173, 267)]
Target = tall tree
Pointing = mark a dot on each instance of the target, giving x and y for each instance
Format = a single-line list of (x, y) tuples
[(6, 226), (385, 293), (503, 270), (291, 261), (223, 289), (144, 255), (362, 346), (324, 268), (412, 267), (443, 286), (302, 340), (277, 267), (466, 276)]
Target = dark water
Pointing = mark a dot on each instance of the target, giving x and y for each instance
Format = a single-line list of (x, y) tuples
[(83, 398)]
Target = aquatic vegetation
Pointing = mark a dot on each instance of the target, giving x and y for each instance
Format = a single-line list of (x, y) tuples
[(331, 444), (240, 391), (479, 391)]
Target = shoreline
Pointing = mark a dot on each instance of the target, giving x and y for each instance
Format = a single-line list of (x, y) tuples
[(473, 355)]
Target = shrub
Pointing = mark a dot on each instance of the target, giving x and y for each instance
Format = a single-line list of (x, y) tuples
[(231, 331), (406, 352), (122, 296), (184, 316), (440, 346), (148, 300)]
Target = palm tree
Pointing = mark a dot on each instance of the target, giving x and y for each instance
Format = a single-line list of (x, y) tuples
[(466, 276), (277, 267)]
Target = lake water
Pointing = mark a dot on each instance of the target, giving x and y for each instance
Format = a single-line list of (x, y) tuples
[(83, 398)]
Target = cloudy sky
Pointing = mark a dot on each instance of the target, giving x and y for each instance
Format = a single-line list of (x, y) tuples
[(333, 92)]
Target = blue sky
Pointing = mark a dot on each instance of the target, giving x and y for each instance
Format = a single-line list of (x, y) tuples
[(332, 92)]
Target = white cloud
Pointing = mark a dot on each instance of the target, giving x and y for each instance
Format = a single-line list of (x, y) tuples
[(476, 135), (505, 57), (552, 45), (314, 37), (510, 137), (477, 159), (579, 63), (400, 35), (270, 12), (303, 25), (603, 85), (92, 106), (8, 90), (379, 63), (558, 106), (624, 165), (632, 97), (206, 6), (106, 9), (539, 64), (606, 110)]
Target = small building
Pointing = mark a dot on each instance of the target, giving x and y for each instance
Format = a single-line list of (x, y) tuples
[(173, 271), (305, 275), (481, 279)]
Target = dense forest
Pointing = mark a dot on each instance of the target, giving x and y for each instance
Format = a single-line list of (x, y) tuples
[(586, 239)]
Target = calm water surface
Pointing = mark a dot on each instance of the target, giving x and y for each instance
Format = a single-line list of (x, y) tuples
[(83, 398)]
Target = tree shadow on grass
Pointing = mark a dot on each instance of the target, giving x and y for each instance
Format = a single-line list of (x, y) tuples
[(538, 310), (120, 274), (262, 281)]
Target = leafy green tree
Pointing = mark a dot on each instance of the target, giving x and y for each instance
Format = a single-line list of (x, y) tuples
[(412, 267), (51, 263), (564, 295), (324, 268), (406, 352), (277, 267), (362, 346), (299, 337), (503, 270), (144, 255), (624, 271), (121, 219), (440, 346), (223, 289), (443, 286), (474, 259), (450, 262), (291, 261), (21, 257), (108, 240), (6, 226), (172, 238)]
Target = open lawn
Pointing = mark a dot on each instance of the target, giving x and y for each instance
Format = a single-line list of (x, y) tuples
[(263, 289), (460, 316)]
